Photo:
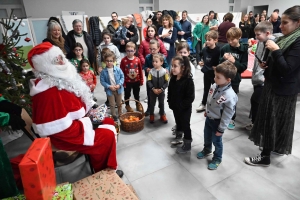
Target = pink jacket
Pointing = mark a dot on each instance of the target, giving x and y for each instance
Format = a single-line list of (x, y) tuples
[(144, 49)]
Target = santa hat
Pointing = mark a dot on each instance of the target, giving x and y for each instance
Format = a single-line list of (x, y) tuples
[(43, 54)]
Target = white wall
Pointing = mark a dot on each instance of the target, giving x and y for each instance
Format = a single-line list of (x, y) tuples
[(48, 8)]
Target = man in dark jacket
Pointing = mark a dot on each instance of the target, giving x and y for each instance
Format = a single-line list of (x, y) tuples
[(81, 36), (186, 27), (113, 26), (275, 22)]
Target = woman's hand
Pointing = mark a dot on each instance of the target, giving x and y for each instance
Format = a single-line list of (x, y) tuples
[(271, 45)]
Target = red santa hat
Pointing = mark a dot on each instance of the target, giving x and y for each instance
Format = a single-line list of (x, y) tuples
[(43, 55)]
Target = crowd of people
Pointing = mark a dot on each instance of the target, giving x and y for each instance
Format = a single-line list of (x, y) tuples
[(162, 63)]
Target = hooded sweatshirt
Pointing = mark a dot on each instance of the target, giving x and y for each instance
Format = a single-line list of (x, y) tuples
[(113, 48), (240, 55)]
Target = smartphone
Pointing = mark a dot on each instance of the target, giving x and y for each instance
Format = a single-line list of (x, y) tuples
[(170, 31), (258, 59)]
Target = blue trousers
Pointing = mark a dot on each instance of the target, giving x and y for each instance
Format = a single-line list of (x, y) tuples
[(210, 129)]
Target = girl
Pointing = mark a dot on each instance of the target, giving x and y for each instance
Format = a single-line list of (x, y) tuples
[(87, 74), (112, 79), (199, 32), (245, 26), (168, 34), (78, 51), (181, 94), (149, 23), (262, 18), (183, 49), (106, 43)]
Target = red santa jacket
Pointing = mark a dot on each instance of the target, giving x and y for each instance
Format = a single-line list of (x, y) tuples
[(132, 70), (60, 111)]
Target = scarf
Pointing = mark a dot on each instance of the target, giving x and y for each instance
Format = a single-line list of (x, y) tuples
[(286, 40)]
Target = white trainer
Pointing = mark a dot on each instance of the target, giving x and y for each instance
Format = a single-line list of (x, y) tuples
[(201, 108)]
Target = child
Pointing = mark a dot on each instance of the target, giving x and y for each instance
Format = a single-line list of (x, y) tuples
[(123, 30), (103, 52), (177, 25), (211, 54), (132, 69), (237, 53), (183, 49), (78, 51), (263, 32), (149, 23), (181, 94), (220, 108), (157, 82), (106, 43), (87, 74), (112, 79), (154, 48)]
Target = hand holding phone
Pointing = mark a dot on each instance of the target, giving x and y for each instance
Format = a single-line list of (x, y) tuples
[(258, 59)]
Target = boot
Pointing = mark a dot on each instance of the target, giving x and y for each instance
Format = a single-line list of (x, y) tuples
[(128, 108), (186, 147), (139, 107), (151, 119), (178, 138)]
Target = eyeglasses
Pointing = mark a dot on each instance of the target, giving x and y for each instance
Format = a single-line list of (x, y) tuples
[(150, 49), (77, 50), (129, 51), (108, 61)]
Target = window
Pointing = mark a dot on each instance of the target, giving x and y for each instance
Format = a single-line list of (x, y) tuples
[(230, 8), (146, 1), (231, 1)]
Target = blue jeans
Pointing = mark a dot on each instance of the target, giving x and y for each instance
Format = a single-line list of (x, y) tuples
[(210, 138)]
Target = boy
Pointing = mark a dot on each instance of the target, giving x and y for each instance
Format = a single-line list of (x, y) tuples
[(132, 69), (220, 108), (263, 32), (154, 48), (177, 25), (237, 53), (211, 54), (157, 82)]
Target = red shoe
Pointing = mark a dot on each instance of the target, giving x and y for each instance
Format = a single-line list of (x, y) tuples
[(164, 119), (151, 119)]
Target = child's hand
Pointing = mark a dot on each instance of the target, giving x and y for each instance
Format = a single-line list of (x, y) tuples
[(159, 91), (263, 65), (112, 88), (148, 69), (226, 56), (100, 69), (131, 33), (201, 63), (218, 134), (231, 58), (117, 86), (214, 67), (205, 115)]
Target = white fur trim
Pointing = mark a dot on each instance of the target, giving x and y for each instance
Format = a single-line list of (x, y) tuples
[(40, 87), (58, 125), (110, 127), (89, 133)]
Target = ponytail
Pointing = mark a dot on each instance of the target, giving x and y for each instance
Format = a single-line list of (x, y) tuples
[(184, 62)]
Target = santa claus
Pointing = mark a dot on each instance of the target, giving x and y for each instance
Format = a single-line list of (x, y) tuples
[(60, 102)]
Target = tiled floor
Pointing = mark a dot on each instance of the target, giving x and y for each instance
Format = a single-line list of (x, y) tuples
[(157, 172)]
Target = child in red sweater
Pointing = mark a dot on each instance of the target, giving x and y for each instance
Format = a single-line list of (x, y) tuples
[(132, 69), (87, 75)]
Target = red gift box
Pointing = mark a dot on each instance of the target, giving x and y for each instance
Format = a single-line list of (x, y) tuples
[(37, 170)]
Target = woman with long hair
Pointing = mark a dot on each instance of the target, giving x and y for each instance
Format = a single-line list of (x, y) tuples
[(245, 26)]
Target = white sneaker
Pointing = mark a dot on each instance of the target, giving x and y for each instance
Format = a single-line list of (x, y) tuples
[(201, 108), (198, 67), (146, 100), (183, 40), (176, 42), (249, 127)]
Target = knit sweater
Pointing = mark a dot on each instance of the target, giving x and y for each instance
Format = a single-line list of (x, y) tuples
[(132, 70)]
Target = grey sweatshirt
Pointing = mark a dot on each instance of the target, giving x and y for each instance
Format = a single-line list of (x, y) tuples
[(113, 48), (221, 102)]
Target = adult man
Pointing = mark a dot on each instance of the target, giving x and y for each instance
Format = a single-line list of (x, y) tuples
[(224, 27), (60, 102), (113, 26), (156, 20), (277, 11), (275, 22), (250, 15), (186, 27), (213, 23), (81, 36)]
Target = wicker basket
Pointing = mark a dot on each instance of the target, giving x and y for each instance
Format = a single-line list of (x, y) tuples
[(133, 126)]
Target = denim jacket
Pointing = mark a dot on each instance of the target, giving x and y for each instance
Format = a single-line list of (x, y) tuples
[(105, 82)]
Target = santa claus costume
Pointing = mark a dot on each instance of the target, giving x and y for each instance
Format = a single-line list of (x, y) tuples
[(60, 101)]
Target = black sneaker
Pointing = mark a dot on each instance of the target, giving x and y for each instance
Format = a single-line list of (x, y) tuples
[(276, 152), (258, 160), (115, 118)]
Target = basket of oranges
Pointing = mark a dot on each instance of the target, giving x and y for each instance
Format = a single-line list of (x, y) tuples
[(132, 121)]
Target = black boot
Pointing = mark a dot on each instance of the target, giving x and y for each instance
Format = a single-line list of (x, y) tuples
[(186, 147), (120, 173)]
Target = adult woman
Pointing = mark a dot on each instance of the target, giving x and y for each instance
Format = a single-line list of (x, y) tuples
[(199, 32), (54, 35), (262, 18), (245, 26), (253, 25), (79, 35), (223, 28), (168, 34), (144, 46), (149, 23), (274, 125)]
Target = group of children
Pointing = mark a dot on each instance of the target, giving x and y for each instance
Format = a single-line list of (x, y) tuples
[(222, 70)]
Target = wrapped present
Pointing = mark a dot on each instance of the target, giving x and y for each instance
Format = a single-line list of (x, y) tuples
[(19, 197), (37, 170), (105, 184), (63, 192), (97, 114)]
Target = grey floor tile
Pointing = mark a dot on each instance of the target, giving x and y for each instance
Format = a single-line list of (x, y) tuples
[(296, 135), (198, 167), (173, 182), (296, 148), (142, 159), (126, 139), (248, 185), (283, 175)]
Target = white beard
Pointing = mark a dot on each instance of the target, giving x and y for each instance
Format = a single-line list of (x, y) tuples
[(68, 79)]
